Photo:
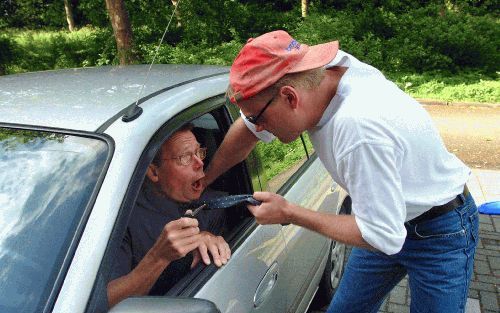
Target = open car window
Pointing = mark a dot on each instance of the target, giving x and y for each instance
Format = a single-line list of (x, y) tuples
[(209, 128), (280, 161)]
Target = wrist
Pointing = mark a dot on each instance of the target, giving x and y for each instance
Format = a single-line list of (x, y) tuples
[(155, 259), (290, 210)]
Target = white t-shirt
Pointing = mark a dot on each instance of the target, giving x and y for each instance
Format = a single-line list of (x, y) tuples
[(381, 146)]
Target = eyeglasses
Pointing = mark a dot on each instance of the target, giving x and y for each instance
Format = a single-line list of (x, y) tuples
[(187, 158), (254, 118)]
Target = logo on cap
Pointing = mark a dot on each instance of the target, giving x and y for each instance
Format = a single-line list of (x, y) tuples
[(294, 44)]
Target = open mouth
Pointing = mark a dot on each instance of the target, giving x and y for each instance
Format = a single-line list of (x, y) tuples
[(197, 185)]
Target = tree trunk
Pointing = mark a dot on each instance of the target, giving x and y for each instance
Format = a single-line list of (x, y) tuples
[(122, 29), (305, 7), (69, 15), (177, 13)]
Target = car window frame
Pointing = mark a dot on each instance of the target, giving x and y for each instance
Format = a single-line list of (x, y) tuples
[(71, 250), (193, 281)]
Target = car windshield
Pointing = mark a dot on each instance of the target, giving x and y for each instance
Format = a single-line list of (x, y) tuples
[(46, 182)]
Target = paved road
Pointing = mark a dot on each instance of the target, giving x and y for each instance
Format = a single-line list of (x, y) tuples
[(470, 132)]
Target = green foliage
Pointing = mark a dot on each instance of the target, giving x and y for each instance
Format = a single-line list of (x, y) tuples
[(278, 157), (422, 39), (32, 13), (44, 50), (91, 12), (397, 36), (223, 54), (6, 53), (467, 87)]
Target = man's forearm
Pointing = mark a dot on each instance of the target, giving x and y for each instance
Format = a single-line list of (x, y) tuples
[(236, 146), (138, 282), (342, 228)]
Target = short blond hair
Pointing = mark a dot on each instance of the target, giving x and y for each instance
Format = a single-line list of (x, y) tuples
[(309, 79)]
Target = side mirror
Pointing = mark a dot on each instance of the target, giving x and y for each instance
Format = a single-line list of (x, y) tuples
[(164, 305)]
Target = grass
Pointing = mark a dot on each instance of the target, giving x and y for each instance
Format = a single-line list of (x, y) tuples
[(463, 87), (277, 157)]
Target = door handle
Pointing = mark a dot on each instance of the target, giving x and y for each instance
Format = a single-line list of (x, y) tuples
[(266, 285)]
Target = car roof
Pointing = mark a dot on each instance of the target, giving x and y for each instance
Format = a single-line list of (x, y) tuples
[(85, 98)]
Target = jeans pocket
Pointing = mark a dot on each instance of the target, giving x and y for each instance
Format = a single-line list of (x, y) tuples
[(474, 222), (448, 225)]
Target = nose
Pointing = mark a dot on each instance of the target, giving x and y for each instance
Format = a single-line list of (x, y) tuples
[(197, 162)]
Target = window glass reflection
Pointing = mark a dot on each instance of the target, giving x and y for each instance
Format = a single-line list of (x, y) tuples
[(46, 181)]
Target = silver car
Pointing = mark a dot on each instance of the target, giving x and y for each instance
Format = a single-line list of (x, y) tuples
[(74, 148)]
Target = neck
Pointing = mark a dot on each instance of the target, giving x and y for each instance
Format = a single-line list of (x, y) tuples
[(325, 92)]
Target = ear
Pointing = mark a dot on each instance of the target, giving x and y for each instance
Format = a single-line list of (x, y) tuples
[(152, 173), (291, 95)]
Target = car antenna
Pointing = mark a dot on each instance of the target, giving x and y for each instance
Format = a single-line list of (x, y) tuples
[(134, 110)]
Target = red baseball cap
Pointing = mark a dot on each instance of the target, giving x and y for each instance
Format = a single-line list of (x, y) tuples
[(267, 58)]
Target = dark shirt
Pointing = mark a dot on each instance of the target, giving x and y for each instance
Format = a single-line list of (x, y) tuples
[(151, 213)]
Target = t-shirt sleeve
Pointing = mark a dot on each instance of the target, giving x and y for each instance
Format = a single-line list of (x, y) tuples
[(264, 135), (374, 184), (122, 264)]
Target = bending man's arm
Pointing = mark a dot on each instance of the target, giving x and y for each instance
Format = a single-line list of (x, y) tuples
[(236, 146), (277, 210)]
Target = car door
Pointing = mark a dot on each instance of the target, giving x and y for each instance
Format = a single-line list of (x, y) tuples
[(251, 281), (300, 178)]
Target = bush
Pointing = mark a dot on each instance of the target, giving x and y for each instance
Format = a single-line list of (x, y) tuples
[(423, 39), (43, 50), (428, 39)]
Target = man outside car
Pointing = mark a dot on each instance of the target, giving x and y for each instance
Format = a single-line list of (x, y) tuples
[(411, 210)]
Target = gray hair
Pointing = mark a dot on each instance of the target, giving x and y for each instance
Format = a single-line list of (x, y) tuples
[(186, 127)]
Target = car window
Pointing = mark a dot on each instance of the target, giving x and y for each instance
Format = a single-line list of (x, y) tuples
[(280, 161), (209, 129), (46, 182)]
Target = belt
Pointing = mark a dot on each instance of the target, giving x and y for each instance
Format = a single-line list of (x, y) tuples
[(439, 210)]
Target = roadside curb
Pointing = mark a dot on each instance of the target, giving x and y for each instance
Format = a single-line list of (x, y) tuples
[(468, 104)]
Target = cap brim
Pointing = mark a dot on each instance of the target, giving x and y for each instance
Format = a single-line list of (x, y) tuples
[(317, 56)]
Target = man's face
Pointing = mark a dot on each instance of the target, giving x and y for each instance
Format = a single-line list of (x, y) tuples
[(273, 114), (180, 182)]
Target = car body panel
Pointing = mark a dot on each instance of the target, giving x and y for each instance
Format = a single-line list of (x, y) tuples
[(85, 98), (93, 100), (130, 140), (305, 247), (233, 287)]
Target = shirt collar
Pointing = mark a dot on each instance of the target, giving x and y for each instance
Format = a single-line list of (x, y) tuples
[(341, 59)]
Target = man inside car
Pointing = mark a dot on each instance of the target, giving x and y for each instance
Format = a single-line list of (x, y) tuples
[(161, 245)]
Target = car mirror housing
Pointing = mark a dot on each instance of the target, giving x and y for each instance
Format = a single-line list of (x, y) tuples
[(164, 305)]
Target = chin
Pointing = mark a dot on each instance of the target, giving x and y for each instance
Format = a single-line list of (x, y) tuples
[(195, 196), (287, 139)]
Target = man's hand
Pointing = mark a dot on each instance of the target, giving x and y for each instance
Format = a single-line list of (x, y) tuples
[(216, 245), (274, 209), (177, 239)]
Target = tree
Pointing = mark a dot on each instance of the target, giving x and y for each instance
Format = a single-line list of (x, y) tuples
[(68, 8), (122, 30), (177, 12), (305, 7)]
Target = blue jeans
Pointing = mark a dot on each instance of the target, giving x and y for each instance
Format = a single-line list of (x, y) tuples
[(437, 255)]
